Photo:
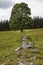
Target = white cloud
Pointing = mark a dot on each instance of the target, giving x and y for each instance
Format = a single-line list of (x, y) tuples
[(35, 5), (40, 0), (36, 8), (5, 14), (6, 3)]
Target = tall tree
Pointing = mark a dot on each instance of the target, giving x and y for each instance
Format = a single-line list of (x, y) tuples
[(20, 16)]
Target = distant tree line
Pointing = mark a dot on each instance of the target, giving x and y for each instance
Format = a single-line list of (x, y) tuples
[(4, 25), (36, 22)]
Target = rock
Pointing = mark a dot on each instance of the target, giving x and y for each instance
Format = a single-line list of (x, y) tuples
[(18, 49), (26, 63), (20, 63), (4, 64), (29, 46), (33, 57), (30, 43), (34, 50), (29, 63), (24, 38), (26, 44)]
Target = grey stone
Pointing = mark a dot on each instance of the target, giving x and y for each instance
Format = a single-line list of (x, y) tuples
[(34, 50), (24, 38), (17, 49), (33, 57), (30, 43), (29, 63), (26, 44), (20, 63), (4, 64), (25, 63)]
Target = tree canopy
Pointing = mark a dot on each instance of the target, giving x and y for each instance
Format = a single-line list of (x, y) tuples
[(20, 16)]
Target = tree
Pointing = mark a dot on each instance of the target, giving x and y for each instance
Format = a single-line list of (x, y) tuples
[(20, 16)]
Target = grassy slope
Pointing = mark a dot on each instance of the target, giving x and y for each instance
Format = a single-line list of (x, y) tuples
[(10, 40)]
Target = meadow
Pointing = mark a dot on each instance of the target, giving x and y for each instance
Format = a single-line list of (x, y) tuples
[(10, 40)]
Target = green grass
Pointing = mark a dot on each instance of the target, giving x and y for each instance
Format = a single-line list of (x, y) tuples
[(10, 40)]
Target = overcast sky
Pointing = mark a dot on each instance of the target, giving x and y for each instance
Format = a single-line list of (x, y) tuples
[(6, 7)]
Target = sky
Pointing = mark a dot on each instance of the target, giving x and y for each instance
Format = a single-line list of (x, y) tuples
[(6, 6)]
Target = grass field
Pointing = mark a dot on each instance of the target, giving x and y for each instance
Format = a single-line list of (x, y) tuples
[(10, 40)]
